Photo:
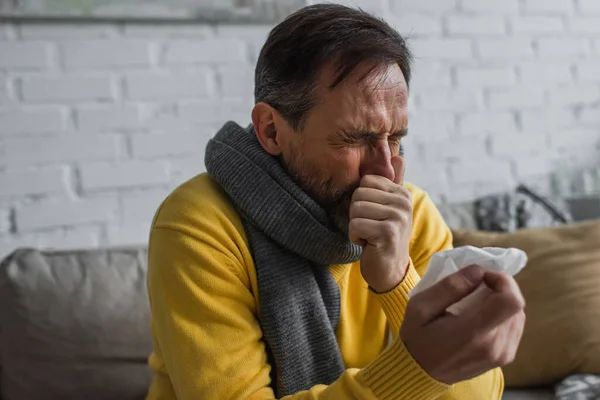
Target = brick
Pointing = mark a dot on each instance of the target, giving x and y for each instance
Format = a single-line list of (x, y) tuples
[(590, 116), (71, 238), (5, 222), (533, 166), (545, 73), (50, 31), (480, 170), (537, 25), (48, 150), (251, 33), (588, 71), (31, 120), (23, 55), (449, 100), (585, 25), (490, 6), (37, 182), (107, 117), (65, 213), (479, 123), (5, 90), (237, 82), (507, 99), (485, 77), (162, 85), (4, 31), (589, 7), (183, 169), (576, 137), (442, 49), (563, 47), (549, 6), (454, 149), (216, 51), (476, 25), (141, 207), (507, 144), (8, 244), (597, 46), (149, 146), (210, 112), (501, 49), (106, 54), (161, 31), (123, 175), (416, 24), (68, 88), (430, 75), (573, 95), (371, 6), (400, 7), (128, 235), (431, 127), (163, 117), (427, 176), (546, 118)]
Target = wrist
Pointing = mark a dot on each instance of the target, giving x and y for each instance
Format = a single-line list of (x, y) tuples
[(392, 281)]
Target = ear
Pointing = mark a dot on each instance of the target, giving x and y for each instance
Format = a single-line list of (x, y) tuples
[(266, 120)]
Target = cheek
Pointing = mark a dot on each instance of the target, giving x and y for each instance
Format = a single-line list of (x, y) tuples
[(345, 164)]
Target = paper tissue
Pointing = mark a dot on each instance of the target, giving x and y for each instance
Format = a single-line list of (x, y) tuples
[(509, 261)]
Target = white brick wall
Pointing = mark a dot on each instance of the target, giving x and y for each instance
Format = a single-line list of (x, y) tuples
[(98, 122)]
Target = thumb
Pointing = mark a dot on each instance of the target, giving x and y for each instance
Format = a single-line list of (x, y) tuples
[(433, 302), (399, 168)]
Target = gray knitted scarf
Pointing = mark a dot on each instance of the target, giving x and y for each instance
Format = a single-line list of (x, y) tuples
[(292, 244)]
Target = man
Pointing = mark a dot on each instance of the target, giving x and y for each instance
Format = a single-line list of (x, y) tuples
[(285, 270)]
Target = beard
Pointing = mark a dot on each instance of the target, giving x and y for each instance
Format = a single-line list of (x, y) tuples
[(334, 200)]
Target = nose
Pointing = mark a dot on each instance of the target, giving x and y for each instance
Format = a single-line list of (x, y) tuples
[(378, 161)]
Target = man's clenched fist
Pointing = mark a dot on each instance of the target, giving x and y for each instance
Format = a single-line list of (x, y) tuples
[(381, 221)]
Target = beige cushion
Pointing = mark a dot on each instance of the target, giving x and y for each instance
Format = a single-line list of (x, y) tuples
[(74, 325), (561, 285)]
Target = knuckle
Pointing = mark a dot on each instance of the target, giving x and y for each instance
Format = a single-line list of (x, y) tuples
[(455, 283), (369, 181), (358, 206), (389, 229)]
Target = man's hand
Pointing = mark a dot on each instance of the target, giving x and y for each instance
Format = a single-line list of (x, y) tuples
[(381, 221), (485, 335)]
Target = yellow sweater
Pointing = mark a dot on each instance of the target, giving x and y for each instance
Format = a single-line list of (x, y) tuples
[(204, 299)]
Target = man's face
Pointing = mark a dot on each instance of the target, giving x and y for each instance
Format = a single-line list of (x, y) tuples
[(353, 131)]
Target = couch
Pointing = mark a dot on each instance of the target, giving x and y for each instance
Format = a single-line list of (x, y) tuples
[(75, 325)]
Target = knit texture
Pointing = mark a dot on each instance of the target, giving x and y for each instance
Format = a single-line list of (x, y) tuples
[(292, 244)]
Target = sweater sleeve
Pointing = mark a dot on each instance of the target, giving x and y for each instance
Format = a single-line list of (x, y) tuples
[(208, 339)]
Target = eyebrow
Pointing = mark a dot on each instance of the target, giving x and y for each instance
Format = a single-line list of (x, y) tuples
[(368, 134)]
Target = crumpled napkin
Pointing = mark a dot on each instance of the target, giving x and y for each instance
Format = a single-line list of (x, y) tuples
[(509, 261)]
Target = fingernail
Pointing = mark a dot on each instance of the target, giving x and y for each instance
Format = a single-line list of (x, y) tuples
[(473, 273)]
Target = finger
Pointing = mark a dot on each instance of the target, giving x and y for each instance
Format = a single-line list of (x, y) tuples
[(402, 199), (399, 169), (503, 283), (433, 302), (514, 333), (505, 301), (379, 182), (374, 211), (365, 229)]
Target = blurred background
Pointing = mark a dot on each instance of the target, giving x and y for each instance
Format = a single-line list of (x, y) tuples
[(106, 106)]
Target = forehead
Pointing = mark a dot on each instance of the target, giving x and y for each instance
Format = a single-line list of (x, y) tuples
[(372, 99)]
